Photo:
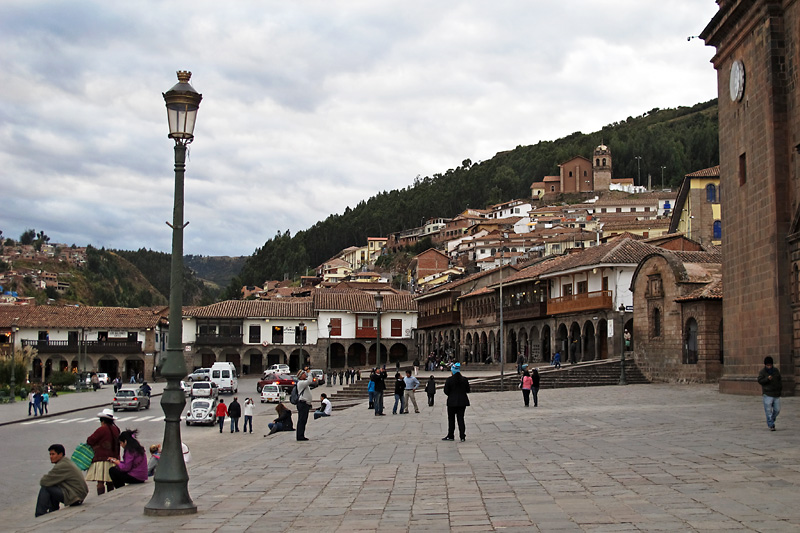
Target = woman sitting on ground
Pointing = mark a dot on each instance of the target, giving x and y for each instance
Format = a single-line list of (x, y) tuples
[(283, 422), (133, 467)]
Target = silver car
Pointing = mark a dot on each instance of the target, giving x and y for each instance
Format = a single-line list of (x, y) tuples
[(130, 398), (204, 389)]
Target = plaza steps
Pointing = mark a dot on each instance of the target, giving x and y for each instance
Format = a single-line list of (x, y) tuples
[(586, 374)]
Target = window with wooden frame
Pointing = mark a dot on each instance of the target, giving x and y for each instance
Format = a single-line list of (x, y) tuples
[(397, 327), (336, 327)]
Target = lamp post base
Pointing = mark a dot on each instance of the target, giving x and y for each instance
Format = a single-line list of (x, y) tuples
[(622, 380)]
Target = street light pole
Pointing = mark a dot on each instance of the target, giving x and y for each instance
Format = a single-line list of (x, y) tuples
[(662, 177), (171, 493), (300, 340), (378, 307), (328, 377), (638, 168), (502, 354), (622, 380)]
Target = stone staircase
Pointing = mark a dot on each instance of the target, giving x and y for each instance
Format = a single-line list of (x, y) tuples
[(587, 374)]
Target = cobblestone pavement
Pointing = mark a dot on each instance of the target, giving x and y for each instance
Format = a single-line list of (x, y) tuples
[(636, 458)]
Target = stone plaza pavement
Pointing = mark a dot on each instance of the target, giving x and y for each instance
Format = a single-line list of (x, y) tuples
[(636, 458)]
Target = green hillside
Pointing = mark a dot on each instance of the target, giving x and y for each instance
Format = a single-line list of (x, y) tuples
[(682, 140)]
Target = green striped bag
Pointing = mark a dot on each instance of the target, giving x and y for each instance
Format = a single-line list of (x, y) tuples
[(82, 456)]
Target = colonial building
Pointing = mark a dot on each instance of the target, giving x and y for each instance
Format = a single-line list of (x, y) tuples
[(698, 212), (756, 59)]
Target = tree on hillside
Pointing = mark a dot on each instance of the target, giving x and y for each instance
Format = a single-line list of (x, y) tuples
[(27, 236)]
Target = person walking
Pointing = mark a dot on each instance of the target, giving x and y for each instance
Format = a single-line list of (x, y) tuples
[(430, 389), (105, 443), (535, 387), (235, 412), (133, 468), (525, 384), (30, 402), (222, 412), (771, 388), (411, 384), (415, 364), (557, 360), (333, 378), (399, 390), (45, 401), (456, 388), (63, 484), (303, 403), (37, 403), (283, 422), (248, 414)]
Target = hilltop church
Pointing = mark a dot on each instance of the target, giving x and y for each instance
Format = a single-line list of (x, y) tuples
[(580, 175)]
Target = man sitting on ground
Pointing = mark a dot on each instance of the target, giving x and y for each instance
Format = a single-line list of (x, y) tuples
[(325, 408), (63, 484)]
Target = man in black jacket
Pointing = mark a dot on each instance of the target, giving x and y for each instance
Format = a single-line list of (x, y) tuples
[(379, 377), (235, 412), (456, 388), (771, 388)]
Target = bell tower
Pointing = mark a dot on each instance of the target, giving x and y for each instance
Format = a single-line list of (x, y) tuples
[(601, 168)]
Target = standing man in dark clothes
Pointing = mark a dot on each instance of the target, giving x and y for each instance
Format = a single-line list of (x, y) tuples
[(379, 377), (303, 404), (771, 387), (456, 388), (235, 412)]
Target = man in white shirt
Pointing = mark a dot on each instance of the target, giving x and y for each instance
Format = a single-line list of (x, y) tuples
[(411, 386), (325, 408)]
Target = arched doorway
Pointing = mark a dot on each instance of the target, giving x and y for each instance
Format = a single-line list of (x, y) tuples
[(398, 352), (545, 343), (233, 357), (562, 342), (371, 360), (588, 341), (690, 342), (524, 347), (133, 367), (357, 355), (575, 352), (484, 347), (338, 359), (602, 339), (109, 365), (255, 363), (275, 357)]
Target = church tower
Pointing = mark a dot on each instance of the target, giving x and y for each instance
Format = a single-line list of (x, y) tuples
[(601, 168)]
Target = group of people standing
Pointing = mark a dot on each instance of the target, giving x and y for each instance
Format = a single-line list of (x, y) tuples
[(39, 401), (346, 376), (234, 411)]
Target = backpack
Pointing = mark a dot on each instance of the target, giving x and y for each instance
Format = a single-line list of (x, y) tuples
[(82, 456), (294, 397)]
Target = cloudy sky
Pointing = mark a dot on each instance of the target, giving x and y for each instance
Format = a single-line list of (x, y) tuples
[(308, 106)]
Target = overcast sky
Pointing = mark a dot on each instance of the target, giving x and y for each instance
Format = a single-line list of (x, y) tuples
[(308, 106)]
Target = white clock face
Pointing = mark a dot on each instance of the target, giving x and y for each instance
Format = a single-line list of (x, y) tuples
[(737, 81)]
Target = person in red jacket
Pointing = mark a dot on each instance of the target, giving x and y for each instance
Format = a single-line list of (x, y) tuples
[(222, 412), (105, 443)]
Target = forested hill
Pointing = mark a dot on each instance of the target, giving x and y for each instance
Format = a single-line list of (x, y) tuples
[(682, 140)]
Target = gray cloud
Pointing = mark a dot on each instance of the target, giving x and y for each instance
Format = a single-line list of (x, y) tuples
[(309, 106)]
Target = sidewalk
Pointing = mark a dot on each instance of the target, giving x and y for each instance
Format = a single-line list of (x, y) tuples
[(644, 457)]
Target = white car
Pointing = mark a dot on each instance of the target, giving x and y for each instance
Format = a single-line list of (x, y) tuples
[(204, 389), (202, 411), (279, 369), (104, 379), (271, 393)]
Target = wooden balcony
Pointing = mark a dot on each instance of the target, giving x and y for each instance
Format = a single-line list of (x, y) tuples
[(524, 311), (576, 303), (366, 333), (441, 319), (105, 347), (220, 340)]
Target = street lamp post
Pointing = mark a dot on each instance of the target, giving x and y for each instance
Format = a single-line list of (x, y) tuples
[(662, 177), (378, 307), (502, 347), (638, 168), (328, 377), (300, 340), (622, 380), (171, 493)]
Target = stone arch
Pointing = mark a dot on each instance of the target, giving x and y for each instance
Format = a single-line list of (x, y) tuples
[(524, 346), (575, 351), (232, 357), (133, 366), (484, 347), (338, 355), (512, 346), (276, 357), (109, 364), (204, 358), (357, 355), (602, 339), (398, 352), (492, 347), (562, 342), (253, 362), (589, 346), (371, 360)]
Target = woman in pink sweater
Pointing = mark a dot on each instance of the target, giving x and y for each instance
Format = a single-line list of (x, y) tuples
[(133, 467)]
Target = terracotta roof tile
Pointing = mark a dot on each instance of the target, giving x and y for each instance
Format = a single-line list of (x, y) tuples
[(711, 172), (47, 316), (617, 251), (709, 291), (360, 301), (279, 308)]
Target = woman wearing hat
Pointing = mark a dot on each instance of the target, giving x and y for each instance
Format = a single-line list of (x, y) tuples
[(105, 443)]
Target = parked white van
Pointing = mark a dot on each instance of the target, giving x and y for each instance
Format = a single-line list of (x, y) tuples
[(224, 375)]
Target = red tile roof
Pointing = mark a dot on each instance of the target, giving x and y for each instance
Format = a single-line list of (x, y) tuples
[(617, 251), (47, 316), (279, 308)]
